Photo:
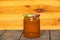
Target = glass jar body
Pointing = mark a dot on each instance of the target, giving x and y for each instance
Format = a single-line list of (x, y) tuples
[(31, 27)]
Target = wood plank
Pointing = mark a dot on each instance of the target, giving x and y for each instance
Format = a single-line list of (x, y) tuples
[(22, 9), (35, 2), (11, 35), (2, 32), (44, 36), (48, 21), (55, 35)]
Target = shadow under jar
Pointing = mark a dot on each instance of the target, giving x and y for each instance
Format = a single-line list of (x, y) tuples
[(31, 27)]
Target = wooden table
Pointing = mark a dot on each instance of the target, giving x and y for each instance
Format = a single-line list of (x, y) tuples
[(18, 35)]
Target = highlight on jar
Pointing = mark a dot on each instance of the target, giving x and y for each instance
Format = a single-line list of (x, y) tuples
[(31, 26)]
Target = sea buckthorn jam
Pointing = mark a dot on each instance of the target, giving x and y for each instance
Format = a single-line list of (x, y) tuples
[(31, 26)]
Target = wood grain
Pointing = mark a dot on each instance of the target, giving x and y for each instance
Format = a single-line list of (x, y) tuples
[(11, 14), (11, 35), (12, 18), (55, 35)]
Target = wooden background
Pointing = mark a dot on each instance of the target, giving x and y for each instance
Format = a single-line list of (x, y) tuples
[(12, 11)]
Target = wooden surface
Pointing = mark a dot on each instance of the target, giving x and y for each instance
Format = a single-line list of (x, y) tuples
[(18, 35), (11, 14), (11, 35), (55, 35), (12, 18)]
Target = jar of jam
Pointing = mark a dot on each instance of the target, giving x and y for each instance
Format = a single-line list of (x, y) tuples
[(31, 26)]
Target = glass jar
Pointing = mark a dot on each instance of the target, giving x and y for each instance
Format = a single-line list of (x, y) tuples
[(31, 27)]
